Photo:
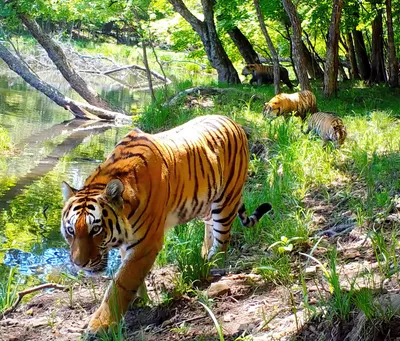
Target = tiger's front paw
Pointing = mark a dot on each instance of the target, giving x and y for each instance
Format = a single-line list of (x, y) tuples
[(101, 320)]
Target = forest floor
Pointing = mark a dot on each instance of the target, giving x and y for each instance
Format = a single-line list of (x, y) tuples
[(246, 306)]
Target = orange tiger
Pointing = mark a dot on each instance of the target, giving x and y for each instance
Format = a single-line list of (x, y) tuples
[(328, 126), (151, 183), (264, 74), (300, 103)]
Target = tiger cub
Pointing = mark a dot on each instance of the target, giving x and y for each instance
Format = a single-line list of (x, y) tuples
[(300, 103), (328, 126), (148, 184)]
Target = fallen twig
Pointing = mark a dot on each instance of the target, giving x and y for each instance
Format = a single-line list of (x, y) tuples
[(195, 318), (23, 293)]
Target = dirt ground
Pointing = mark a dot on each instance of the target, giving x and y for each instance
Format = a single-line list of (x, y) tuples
[(243, 303)]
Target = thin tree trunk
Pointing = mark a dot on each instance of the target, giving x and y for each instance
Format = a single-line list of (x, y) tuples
[(361, 54), (271, 47), (332, 48), (298, 52), (148, 73), (208, 34), (378, 71), (287, 27), (393, 65), (244, 46), (313, 68), (352, 57), (58, 57), (79, 110)]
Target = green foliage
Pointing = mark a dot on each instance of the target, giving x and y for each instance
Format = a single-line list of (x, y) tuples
[(8, 290)]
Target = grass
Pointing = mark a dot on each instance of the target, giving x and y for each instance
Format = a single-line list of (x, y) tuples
[(8, 291)]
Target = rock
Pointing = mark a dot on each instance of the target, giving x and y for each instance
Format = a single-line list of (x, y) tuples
[(218, 289)]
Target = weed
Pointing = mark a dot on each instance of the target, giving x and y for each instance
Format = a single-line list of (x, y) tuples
[(216, 323), (8, 290)]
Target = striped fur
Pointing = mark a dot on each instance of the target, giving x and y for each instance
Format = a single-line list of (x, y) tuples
[(151, 183), (328, 126), (264, 74), (299, 103)]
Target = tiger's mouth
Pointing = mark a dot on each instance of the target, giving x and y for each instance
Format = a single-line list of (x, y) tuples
[(270, 112), (94, 267)]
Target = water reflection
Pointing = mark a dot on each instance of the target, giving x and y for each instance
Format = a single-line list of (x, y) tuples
[(49, 148)]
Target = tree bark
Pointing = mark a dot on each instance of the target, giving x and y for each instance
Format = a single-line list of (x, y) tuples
[(58, 57), (393, 65), (298, 52), (378, 71), (332, 49), (271, 47), (79, 110), (352, 57), (208, 34), (362, 56), (244, 46)]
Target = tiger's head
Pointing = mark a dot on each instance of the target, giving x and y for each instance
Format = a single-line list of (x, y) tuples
[(249, 69), (93, 223), (275, 107)]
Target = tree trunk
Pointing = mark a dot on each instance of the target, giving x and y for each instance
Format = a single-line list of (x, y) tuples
[(212, 44), (332, 48), (298, 52), (58, 57), (287, 27), (148, 73), (393, 66), (352, 57), (362, 56), (271, 47), (244, 46), (79, 110), (313, 68), (378, 72)]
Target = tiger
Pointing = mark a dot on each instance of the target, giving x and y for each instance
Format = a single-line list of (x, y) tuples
[(328, 126), (283, 104), (148, 184), (264, 74)]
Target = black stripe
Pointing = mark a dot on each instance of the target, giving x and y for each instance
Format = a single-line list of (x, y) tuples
[(222, 232)]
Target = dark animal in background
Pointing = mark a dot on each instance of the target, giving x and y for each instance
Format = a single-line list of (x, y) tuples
[(264, 74), (328, 126), (300, 103)]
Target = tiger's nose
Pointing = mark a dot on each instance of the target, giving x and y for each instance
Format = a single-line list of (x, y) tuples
[(79, 262)]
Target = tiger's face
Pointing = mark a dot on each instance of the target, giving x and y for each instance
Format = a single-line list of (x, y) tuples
[(248, 69), (92, 224), (273, 108)]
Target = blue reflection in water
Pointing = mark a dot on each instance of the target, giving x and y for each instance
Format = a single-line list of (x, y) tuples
[(52, 259)]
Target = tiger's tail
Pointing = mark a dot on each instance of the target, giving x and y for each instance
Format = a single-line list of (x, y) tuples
[(250, 221)]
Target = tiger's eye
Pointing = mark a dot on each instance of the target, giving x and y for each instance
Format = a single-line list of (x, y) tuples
[(70, 230), (96, 229)]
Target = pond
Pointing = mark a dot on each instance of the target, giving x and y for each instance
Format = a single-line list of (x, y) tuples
[(48, 147)]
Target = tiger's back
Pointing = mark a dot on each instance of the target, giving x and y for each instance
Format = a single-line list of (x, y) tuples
[(328, 126), (264, 74), (150, 183)]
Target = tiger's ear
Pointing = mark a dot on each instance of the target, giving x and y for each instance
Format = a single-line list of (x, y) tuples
[(114, 190), (67, 191)]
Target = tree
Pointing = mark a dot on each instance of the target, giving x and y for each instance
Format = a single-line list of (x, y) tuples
[(352, 56), (332, 48), (79, 110), (393, 65), (378, 71), (58, 57), (271, 47), (298, 52), (244, 46), (208, 34), (361, 54)]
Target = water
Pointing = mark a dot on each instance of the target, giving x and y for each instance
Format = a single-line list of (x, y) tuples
[(48, 147)]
